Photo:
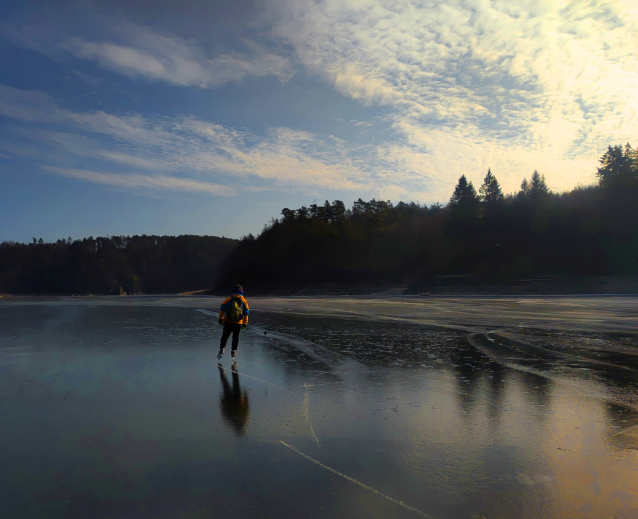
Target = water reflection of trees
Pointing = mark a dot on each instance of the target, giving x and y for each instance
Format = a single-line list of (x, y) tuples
[(469, 369), (622, 426), (376, 343), (475, 370), (496, 390), (234, 403), (538, 388)]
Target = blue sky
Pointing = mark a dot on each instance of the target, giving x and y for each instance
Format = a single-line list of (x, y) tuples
[(207, 117)]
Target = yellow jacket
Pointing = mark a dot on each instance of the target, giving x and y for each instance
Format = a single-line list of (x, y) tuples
[(244, 307)]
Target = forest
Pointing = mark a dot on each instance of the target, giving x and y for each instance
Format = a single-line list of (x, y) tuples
[(589, 231), (113, 265)]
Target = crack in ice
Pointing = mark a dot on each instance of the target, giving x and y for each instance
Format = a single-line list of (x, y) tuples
[(306, 406), (352, 480)]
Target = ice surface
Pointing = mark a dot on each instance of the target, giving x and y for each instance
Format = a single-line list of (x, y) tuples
[(369, 407)]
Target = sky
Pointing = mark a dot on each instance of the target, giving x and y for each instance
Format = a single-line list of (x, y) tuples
[(209, 117)]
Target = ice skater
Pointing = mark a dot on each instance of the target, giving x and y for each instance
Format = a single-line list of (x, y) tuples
[(233, 316)]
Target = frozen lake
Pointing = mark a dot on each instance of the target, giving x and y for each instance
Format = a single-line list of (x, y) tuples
[(337, 408)]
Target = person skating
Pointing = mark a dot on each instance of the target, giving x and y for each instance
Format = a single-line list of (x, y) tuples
[(233, 316)]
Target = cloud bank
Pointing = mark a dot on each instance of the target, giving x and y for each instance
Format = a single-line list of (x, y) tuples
[(465, 85), (183, 153), (554, 80)]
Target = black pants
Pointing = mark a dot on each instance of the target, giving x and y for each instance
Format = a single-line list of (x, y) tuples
[(229, 328)]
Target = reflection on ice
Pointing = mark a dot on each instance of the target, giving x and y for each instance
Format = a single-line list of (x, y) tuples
[(107, 411), (613, 382), (234, 403)]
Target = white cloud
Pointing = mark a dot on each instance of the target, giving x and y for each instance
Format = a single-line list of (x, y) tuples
[(135, 180), (142, 53), (214, 159), (466, 85), (26, 105), (521, 84), (196, 155)]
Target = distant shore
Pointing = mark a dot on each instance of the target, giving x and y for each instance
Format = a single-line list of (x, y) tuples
[(443, 285), (461, 286)]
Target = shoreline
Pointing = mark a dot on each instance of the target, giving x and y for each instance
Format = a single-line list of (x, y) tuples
[(444, 286)]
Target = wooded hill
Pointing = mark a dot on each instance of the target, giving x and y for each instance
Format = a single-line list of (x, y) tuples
[(590, 231), (113, 265)]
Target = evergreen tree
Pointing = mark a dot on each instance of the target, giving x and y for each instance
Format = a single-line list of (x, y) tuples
[(465, 204), (338, 210), (632, 157), (288, 214), (490, 192), (617, 164), (535, 187), (464, 193), (302, 215)]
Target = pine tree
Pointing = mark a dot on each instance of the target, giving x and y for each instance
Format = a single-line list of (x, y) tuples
[(616, 164), (490, 192), (464, 204), (464, 192), (535, 187)]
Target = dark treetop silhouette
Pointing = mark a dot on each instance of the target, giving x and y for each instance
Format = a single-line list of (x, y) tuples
[(113, 265), (591, 230)]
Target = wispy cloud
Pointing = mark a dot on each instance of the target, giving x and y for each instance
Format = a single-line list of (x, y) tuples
[(465, 85), (135, 180), (186, 153), (549, 81), (142, 53)]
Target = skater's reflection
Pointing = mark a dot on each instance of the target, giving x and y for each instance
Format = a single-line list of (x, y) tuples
[(234, 403)]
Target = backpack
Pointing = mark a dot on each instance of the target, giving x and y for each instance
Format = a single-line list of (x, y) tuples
[(234, 311)]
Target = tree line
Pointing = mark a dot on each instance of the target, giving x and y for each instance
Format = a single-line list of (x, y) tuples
[(589, 231), (113, 265)]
